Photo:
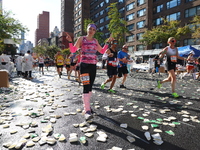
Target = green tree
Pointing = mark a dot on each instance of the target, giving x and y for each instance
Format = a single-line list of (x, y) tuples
[(98, 35), (160, 34), (196, 27), (10, 28), (52, 50), (66, 51), (46, 50), (116, 26)]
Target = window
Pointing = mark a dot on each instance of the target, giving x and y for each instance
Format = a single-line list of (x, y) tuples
[(141, 12), (158, 21), (79, 5), (101, 12), (139, 36), (189, 1), (101, 28), (192, 12), (157, 46), (140, 2), (130, 6), (140, 24), (96, 15), (121, 10), (107, 35), (101, 4), (191, 42), (79, 13), (107, 1), (130, 48), (175, 16), (130, 17), (158, 9), (130, 38), (106, 26), (101, 20), (130, 27), (120, 1), (140, 47), (173, 3), (106, 18)]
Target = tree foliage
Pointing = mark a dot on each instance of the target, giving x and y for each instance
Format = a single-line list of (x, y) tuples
[(10, 28), (160, 34), (46, 50), (196, 28), (116, 26), (98, 35)]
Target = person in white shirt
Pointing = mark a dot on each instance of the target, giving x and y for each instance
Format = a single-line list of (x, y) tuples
[(19, 64), (28, 66), (4, 62), (41, 63)]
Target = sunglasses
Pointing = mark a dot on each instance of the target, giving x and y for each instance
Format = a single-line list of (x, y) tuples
[(115, 43), (172, 41)]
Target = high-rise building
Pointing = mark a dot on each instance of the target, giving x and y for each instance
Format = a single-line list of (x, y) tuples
[(42, 30), (67, 16), (140, 16)]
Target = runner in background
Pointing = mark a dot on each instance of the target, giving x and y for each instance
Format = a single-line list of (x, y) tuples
[(111, 66), (172, 56), (67, 63), (59, 60), (78, 57), (123, 58), (72, 65), (41, 63), (46, 62)]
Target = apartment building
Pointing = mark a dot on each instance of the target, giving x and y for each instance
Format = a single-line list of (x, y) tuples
[(42, 30), (139, 14)]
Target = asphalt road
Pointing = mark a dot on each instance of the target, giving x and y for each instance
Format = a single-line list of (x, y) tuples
[(26, 103)]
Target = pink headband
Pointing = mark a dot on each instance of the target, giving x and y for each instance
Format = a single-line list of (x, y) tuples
[(92, 25)]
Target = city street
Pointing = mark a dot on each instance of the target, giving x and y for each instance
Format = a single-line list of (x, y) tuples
[(40, 113)]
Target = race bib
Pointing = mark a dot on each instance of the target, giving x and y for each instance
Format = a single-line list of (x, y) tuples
[(85, 79), (173, 59)]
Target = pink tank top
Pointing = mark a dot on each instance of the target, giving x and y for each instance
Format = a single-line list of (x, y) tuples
[(88, 51)]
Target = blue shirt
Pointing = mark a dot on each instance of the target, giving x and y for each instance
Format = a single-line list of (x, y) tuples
[(122, 55)]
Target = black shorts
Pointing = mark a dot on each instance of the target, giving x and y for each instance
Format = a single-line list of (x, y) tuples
[(170, 66), (59, 66), (77, 68), (156, 65), (111, 71), (67, 66), (73, 64), (122, 70), (41, 65)]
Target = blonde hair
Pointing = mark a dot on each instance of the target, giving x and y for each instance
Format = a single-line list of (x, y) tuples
[(169, 39)]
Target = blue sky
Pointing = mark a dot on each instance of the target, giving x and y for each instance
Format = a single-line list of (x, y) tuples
[(26, 11)]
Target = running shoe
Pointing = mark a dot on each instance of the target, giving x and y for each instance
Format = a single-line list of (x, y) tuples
[(159, 84), (60, 74), (102, 86), (175, 95), (88, 115), (122, 86), (111, 91)]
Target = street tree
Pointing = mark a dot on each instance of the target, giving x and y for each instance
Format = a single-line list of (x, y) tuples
[(10, 28), (98, 35), (160, 34), (196, 27), (66, 51), (117, 25)]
